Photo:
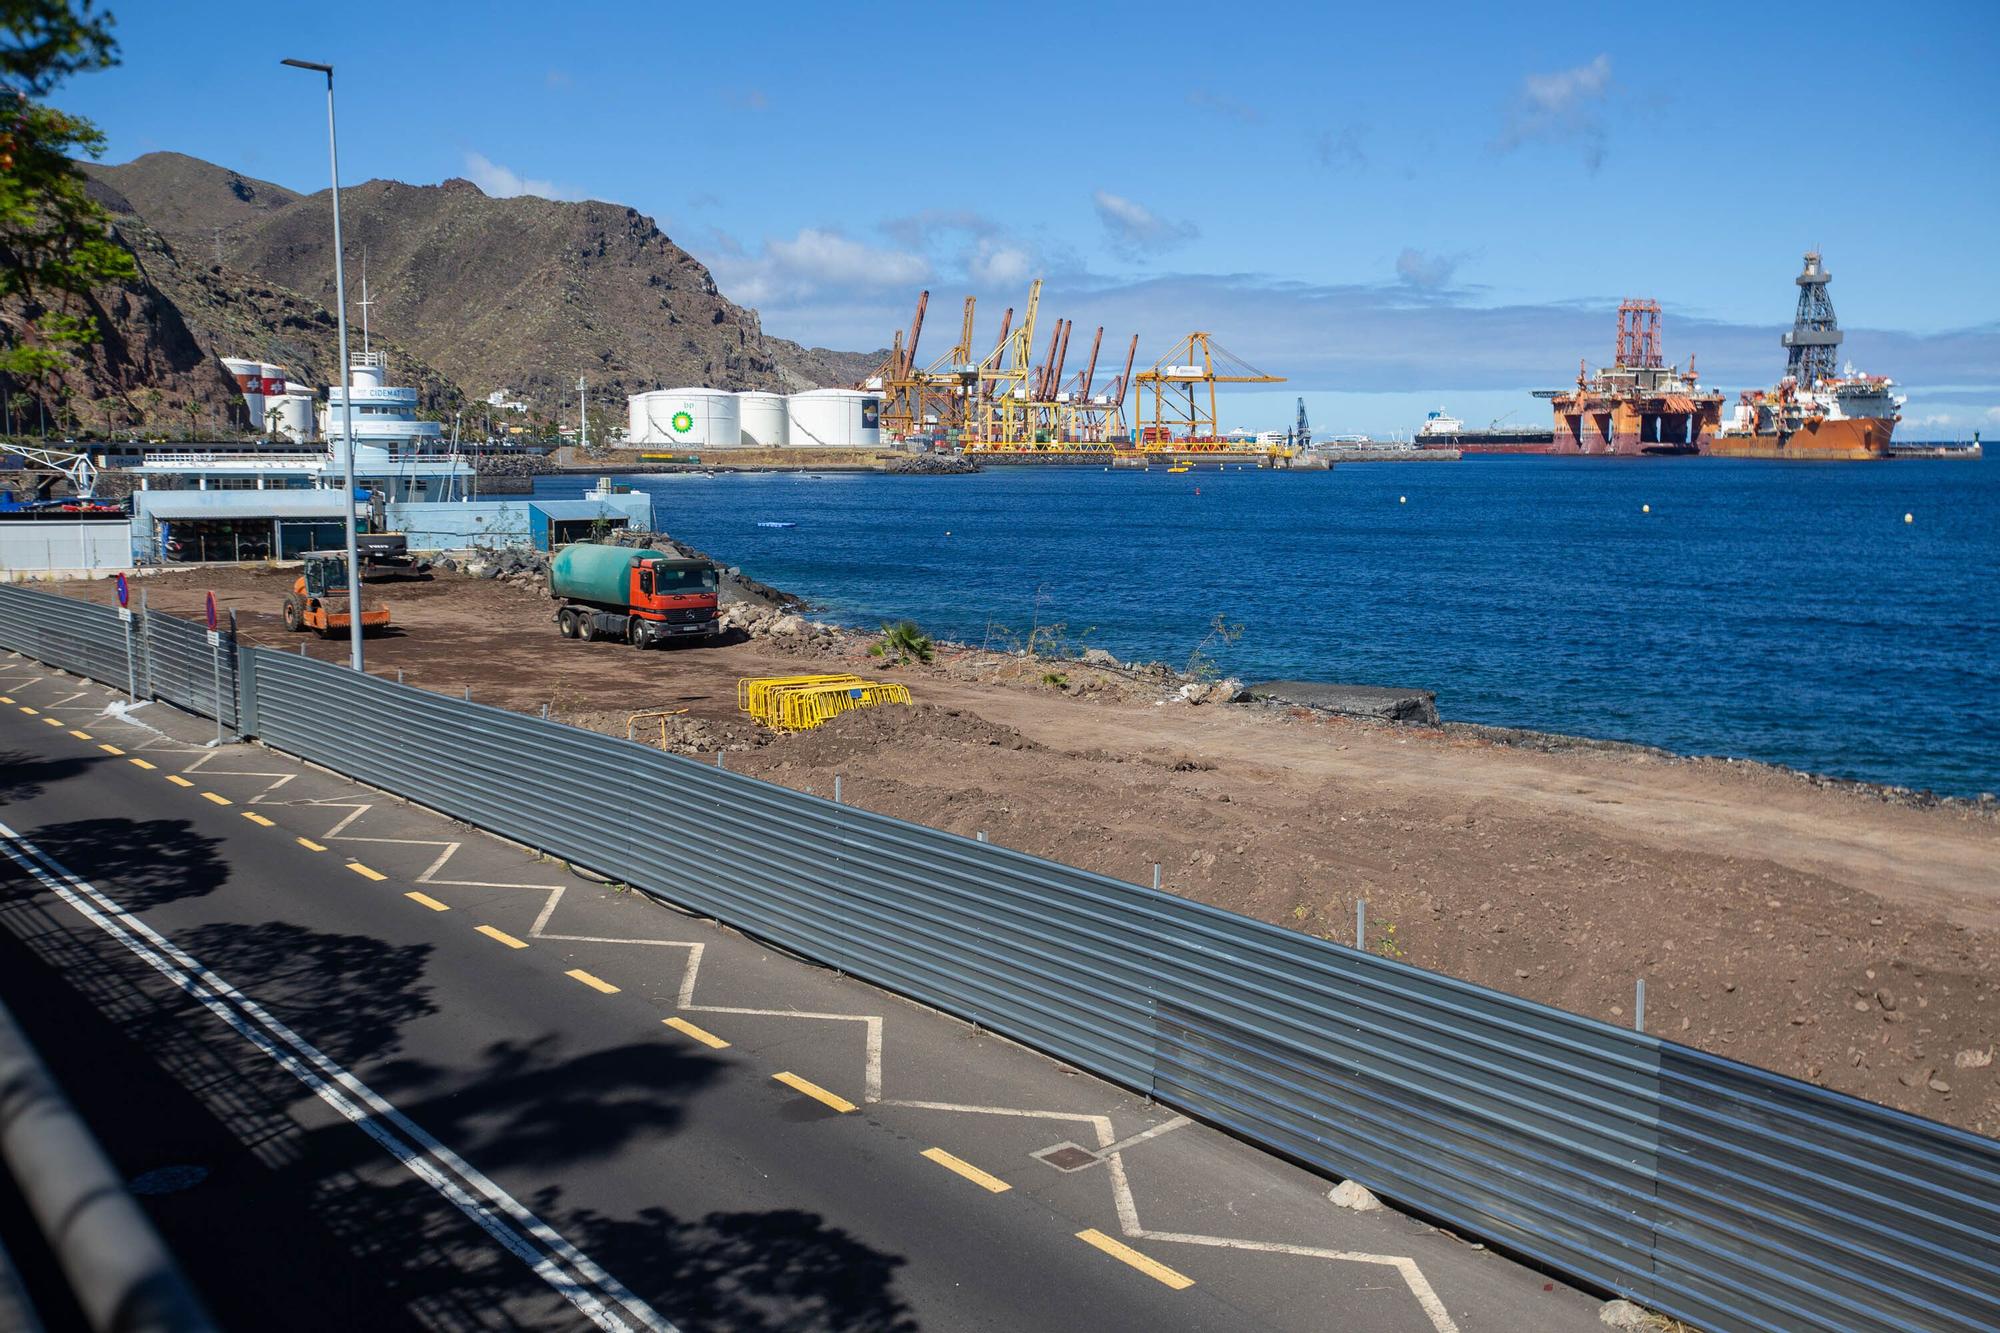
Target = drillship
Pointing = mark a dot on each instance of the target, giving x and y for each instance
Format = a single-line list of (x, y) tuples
[(1638, 404), (1813, 412)]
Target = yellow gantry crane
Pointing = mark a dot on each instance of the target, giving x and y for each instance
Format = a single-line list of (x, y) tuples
[(1183, 383)]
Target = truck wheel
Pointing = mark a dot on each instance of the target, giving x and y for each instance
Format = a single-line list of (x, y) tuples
[(642, 634), (586, 626), (566, 623), (295, 616)]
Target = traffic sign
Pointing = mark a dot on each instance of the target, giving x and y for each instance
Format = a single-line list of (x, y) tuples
[(211, 611), (124, 591)]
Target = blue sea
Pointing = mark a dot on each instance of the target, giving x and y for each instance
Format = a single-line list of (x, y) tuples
[(1776, 611)]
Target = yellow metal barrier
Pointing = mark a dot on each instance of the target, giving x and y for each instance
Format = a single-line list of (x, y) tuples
[(753, 695), (799, 703), (659, 715)]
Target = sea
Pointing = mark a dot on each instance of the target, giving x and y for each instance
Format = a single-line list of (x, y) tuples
[(1843, 619)]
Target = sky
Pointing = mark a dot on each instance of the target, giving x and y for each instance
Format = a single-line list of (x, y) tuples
[(1395, 207)]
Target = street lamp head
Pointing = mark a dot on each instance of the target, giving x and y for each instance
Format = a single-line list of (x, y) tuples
[(311, 65)]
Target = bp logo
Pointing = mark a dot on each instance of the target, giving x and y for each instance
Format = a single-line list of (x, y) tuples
[(683, 422)]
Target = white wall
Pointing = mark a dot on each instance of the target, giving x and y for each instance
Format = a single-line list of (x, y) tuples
[(63, 548)]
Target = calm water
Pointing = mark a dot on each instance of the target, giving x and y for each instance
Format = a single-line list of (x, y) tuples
[(1776, 611)]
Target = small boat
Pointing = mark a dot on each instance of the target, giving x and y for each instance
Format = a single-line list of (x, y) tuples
[(1181, 467), (763, 524)]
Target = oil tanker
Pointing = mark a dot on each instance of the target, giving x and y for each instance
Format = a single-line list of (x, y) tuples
[(1813, 412), (1638, 404)]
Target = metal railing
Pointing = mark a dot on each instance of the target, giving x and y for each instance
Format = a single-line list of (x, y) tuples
[(1726, 1195)]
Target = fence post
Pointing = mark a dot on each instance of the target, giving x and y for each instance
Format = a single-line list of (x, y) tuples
[(1639, 1006), (1156, 877), (1361, 924), (131, 662), (836, 789)]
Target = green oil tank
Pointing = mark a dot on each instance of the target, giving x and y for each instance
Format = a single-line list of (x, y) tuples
[(587, 572)]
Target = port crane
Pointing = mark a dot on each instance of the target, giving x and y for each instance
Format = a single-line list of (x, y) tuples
[(1183, 417), (75, 467)]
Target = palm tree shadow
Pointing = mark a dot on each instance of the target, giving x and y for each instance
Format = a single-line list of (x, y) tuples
[(140, 863)]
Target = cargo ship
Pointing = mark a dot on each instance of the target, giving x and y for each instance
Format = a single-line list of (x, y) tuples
[(1443, 431), (1813, 412), (1638, 404)]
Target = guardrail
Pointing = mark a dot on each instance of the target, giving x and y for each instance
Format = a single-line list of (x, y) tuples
[(114, 1263), (1726, 1195)]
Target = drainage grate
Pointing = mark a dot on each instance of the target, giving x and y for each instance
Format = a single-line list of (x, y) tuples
[(1067, 1157)]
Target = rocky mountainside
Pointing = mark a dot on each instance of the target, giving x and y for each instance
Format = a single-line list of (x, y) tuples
[(521, 294)]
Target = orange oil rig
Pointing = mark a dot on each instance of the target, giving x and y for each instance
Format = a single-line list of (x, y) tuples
[(1638, 404)]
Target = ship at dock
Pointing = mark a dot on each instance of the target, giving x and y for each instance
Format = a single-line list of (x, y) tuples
[(1638, 404), (1813, 412), (1441, 430)]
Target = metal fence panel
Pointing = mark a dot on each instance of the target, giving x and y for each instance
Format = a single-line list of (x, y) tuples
[(180, 666), (1724, 1194), (77, 636)]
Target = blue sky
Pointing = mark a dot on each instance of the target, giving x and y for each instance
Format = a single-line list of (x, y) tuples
[(1395, 206)]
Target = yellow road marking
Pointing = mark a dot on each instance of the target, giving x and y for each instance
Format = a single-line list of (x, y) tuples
[(815, 1091), (31, 712), (1152, 1268), (702, 1035), (257, 819), (53, 721), (426, 900), (365, 872), (112, 749), (81, 735), (4, 699), (595, 983), (992, 1184), (503, 937), (219, 800), (178, 780), (136, 763), (309, 844)]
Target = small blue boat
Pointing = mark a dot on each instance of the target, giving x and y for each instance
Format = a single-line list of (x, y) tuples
[(777, 525)]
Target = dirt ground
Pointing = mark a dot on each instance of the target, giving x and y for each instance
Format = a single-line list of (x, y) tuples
[(1820, 931)]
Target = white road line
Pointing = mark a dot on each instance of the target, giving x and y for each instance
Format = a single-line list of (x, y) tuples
[(423, 1155)]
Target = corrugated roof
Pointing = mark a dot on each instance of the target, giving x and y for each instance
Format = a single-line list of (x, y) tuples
[(575, 509), (238, 504)]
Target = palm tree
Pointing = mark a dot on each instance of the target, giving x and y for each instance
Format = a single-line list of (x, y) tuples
[(905, 642)]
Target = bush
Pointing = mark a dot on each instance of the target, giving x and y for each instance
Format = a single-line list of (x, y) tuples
[(903, 641)]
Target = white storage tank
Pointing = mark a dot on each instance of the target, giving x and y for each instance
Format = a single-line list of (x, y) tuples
[(689, 418), (764, 419), (635, 422), (295, 420), (834, 418)]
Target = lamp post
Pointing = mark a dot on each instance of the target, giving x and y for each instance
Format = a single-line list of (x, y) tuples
[(346, 386)]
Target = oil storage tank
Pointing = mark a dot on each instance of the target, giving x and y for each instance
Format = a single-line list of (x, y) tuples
[(835, 418), (690, 418), (764, 419)]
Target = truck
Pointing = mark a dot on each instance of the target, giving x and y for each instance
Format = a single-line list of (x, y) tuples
[(631, 596)]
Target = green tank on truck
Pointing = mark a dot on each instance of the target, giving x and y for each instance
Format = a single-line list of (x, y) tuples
[(638, 597)]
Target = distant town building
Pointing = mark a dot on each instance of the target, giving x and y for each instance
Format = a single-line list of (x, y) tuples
[(498, 398)]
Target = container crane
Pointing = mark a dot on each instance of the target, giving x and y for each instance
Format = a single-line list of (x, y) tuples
[(1183, 416)]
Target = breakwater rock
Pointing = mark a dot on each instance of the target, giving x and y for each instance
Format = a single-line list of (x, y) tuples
[(1383, 702)]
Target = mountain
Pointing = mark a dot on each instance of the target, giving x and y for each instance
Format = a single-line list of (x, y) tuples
[(520, 294)]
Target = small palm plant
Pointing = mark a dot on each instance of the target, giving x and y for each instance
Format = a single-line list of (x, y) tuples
[(903, 642)]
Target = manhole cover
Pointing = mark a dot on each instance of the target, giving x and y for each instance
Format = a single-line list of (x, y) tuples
[(168, 1179), (1068, 1157)]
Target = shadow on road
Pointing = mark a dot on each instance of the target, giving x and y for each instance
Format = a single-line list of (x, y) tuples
[(140, 863), (24, 775)]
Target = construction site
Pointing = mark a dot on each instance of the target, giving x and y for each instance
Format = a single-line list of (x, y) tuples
[(1013, 403)]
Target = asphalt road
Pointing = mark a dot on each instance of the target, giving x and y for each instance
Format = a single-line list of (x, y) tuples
[(372, 1068)]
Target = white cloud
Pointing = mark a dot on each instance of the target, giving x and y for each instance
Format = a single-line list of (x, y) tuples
[(1563, 107), (1134, 228), (504, 183), (995, 263), (813, 263), (1427, 272)]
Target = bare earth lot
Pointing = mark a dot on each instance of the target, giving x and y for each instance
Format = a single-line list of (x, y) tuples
[(1824, 933)]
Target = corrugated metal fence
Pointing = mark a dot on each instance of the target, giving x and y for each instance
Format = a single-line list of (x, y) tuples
[(1731, 1197), (169, 658)]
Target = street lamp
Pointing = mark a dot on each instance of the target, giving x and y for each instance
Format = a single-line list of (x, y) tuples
[(346, 387)]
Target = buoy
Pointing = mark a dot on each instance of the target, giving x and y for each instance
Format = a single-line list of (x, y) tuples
[(1402, 499), (947, 532), (1909, 518), (1645, 509)]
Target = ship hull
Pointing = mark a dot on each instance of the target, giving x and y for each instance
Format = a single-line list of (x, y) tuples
[(1851, 439)]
